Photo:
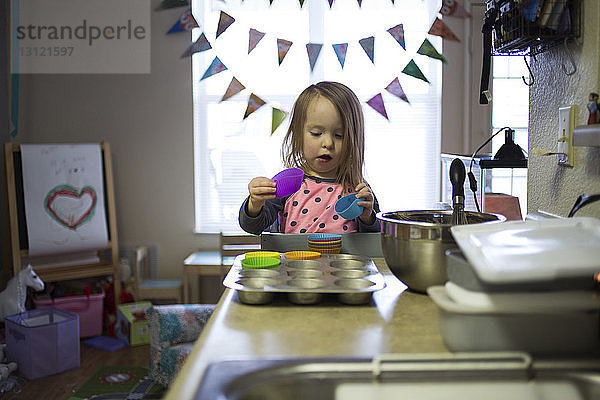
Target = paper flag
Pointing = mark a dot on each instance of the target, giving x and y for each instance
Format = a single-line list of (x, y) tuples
[(215, 67), (397, 33), (225, 20), (278, 117), (165, 4), (254, 103), (368, 45), (234, 88), (330, 3), (186, 23), (313, 50), (200, 45), (377, 103), (283, 46), (254, 37), (340, 51), (396, 89), (451, 8), (439, 28), (413, 70), (428, 50)]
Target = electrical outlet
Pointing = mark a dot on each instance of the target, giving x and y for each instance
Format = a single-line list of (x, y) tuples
[(566, 121)]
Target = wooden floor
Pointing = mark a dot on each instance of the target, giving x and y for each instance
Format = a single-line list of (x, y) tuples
[(60, 386)]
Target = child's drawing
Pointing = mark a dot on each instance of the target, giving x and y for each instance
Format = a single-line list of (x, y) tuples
[(63, 188), (70, 207)]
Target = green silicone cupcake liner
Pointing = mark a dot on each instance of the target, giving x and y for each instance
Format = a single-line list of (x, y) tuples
[(260, 262)]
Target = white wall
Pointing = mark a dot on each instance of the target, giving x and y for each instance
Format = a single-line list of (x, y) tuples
[(554, 188), (147, 118), (465, 123)]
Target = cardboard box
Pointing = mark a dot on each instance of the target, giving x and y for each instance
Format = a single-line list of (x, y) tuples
[(132, 326), (505, 204), (43, 342)]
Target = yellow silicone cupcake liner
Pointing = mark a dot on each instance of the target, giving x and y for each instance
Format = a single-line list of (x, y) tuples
[(302, 255)]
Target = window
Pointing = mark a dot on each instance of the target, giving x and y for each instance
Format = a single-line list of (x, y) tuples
[(401, 155), (510, 107)]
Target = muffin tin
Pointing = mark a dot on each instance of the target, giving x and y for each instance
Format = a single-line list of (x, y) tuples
[(351, 279)]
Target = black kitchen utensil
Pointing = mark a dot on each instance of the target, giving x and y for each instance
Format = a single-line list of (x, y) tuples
[(457, 179), (488, 26), (583, 200)]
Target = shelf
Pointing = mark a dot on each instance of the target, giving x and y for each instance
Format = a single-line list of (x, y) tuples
[(530, 31)]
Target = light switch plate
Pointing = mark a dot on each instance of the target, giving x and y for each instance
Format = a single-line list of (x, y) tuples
[(566, 121)]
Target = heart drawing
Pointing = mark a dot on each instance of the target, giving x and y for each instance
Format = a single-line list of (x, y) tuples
[(69, 207)]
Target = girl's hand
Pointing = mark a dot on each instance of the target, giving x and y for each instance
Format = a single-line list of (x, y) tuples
[(261, 189), (362, 190)]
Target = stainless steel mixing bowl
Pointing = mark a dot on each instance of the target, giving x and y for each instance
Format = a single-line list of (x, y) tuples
[(414, 243)]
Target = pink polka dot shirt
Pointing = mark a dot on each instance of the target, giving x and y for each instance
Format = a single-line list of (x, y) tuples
[(311, 209)]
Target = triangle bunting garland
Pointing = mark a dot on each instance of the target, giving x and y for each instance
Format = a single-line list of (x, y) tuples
[(200, 45), (439, 28), (254, 37), (376, 102), (368, 45), (397, 33), (428, 50), (451, 8), (254, 103), (234, 88), (215, 67), (166, 4), (313, 50), (413, 70), (396, 89), (186, 23), (278, 117), (225, 20), (340, 51), (283, 46)]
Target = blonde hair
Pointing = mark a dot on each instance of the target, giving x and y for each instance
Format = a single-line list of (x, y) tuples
[(349, 172)]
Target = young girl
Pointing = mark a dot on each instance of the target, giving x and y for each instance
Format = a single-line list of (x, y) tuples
[(326, 140)]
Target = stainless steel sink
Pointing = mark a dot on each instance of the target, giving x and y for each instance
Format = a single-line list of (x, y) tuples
[(465, 376)]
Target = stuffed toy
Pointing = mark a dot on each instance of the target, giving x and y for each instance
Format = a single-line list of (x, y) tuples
[(12, 299)]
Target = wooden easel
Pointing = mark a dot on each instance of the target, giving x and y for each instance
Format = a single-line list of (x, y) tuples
[(18, 228)]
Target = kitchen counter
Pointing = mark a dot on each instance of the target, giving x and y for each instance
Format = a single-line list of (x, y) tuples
[(395, 321)]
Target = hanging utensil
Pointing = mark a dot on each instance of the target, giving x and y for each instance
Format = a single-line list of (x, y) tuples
[(457, 178), (581, 201)]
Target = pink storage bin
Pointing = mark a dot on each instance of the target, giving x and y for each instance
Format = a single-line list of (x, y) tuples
[(88, 307)]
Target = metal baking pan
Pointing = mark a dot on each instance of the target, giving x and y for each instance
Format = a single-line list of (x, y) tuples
[(352, 279)]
